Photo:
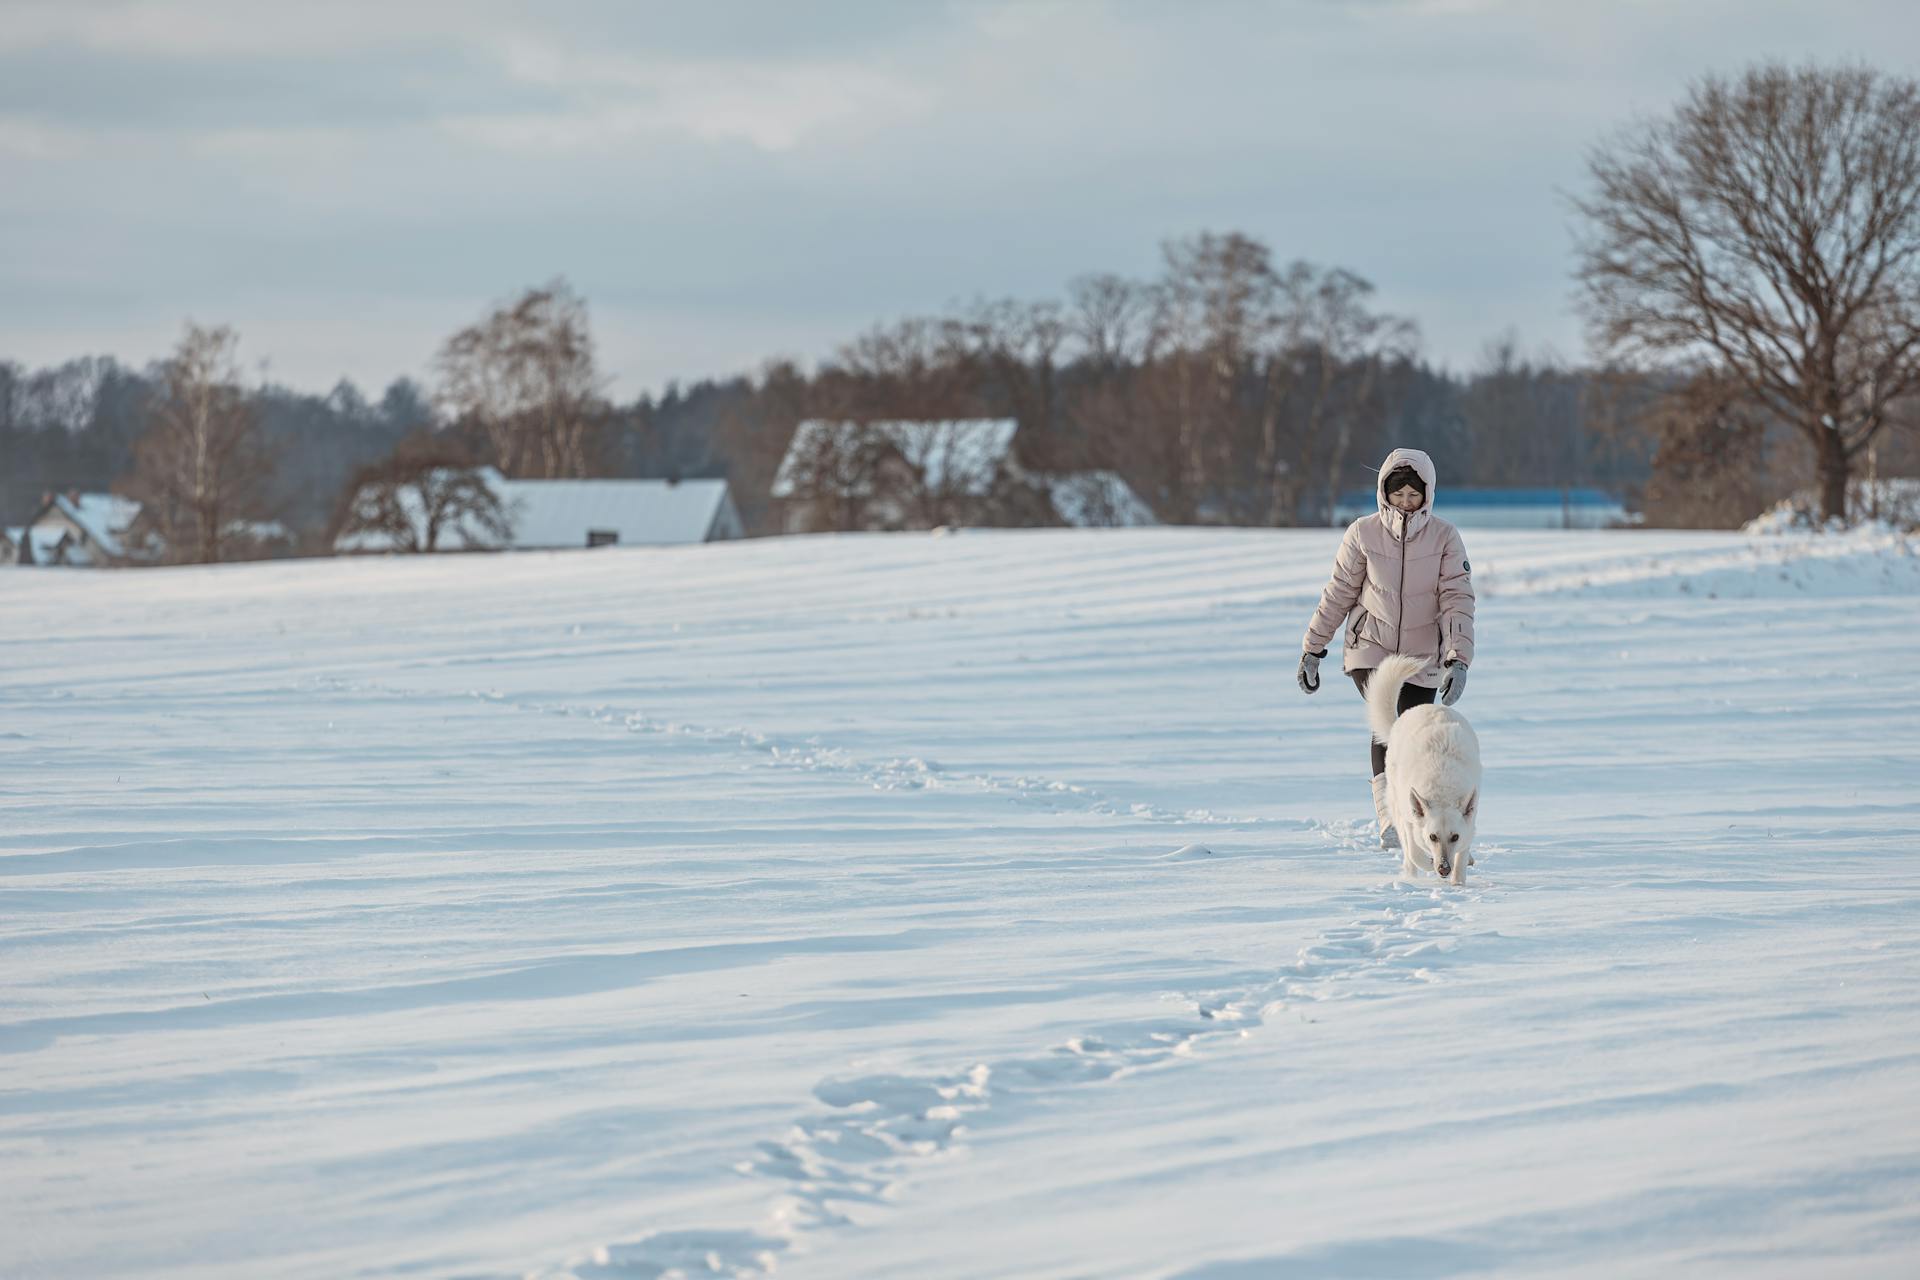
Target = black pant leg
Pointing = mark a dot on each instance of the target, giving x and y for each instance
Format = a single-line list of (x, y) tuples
[(1376, 754), (1411, 695)]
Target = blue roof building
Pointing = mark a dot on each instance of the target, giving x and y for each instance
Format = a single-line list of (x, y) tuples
[(1506, 508)]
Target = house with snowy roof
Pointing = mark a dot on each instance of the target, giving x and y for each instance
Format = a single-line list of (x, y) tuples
[(898, 474), (553, 515), (925, 473), (1501, 508), (1096, 500), (79, 529)]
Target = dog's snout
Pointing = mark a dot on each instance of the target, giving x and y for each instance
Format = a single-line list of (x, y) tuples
[(1446, 868)]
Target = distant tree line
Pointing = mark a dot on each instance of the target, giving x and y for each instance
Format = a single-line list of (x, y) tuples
[(81, 425), (1230, 390)]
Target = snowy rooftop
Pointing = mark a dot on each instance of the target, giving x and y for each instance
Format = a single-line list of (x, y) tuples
[(558, 514), (105, 516), (959, 455), (562, 513), (1096, 500)]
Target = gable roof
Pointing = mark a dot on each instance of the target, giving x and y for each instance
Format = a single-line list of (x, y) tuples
[(953, 455), (560, 513), (51, 546), (556, 514), (104, 517), (1097, 500)]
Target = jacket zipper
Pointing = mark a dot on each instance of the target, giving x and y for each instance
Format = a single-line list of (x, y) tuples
[(1400, 621)]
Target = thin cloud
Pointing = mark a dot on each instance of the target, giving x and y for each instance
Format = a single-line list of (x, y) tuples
[(729, 181), (772, 106)]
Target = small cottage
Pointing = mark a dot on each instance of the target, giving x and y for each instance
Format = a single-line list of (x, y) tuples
[(76, 529), (555, 514), (552, 515), (900, 474), (1096, 500)]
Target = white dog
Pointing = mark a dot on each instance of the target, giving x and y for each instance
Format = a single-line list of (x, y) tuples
[(1433, 774)]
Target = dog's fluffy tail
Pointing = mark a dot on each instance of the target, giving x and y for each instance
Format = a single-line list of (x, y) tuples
[(1383, 692)]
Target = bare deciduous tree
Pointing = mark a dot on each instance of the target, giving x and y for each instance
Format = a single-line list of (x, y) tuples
[(526, 376), (1014, 347), (830, 478), (202, 466), (1216, 304), (1710, 466), (1108, 317), (1507, 401), (428, 491), (1769, 231), (1335, 348), (918, 367), (753, 437), (951, 468), (1266, 375)]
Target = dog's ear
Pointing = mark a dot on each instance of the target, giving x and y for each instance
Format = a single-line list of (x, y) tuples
[(1419, 808), (1472, 800)]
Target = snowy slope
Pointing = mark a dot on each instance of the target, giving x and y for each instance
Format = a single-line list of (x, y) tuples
[(984, 905)]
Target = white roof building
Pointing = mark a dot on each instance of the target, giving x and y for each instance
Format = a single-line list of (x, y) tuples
[(906, 473), (628, 513), (1097, 500), (549, 515), (80, 529), (959, 456)]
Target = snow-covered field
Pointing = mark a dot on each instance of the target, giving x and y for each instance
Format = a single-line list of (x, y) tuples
[(985, 905)]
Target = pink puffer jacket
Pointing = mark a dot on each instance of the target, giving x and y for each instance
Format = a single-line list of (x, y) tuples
[(1400, 584)]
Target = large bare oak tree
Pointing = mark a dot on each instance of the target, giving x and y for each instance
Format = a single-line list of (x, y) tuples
[(1768, 232)]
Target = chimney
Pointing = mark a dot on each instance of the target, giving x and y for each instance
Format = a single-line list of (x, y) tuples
[(73, 496)]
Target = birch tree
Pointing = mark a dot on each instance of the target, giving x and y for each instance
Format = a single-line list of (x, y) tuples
[(525, 375), (202, 466)]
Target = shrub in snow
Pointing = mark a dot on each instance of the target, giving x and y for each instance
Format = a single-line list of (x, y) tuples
[(1885, 506)]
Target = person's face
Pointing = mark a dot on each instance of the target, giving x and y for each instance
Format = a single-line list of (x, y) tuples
[(1406, 498)]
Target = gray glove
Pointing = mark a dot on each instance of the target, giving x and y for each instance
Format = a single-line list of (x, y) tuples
[(1309, 674), (1455, 684)]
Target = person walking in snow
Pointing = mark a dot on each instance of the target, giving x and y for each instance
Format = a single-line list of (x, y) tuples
[(1400, 585)]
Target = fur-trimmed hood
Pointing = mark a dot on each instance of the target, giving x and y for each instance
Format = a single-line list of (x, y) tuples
[(1389, 515)]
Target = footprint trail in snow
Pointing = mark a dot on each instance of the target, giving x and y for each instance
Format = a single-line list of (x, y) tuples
[(854, 1154)]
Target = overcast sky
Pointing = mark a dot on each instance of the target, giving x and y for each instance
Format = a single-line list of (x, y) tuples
[(346, 182)]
